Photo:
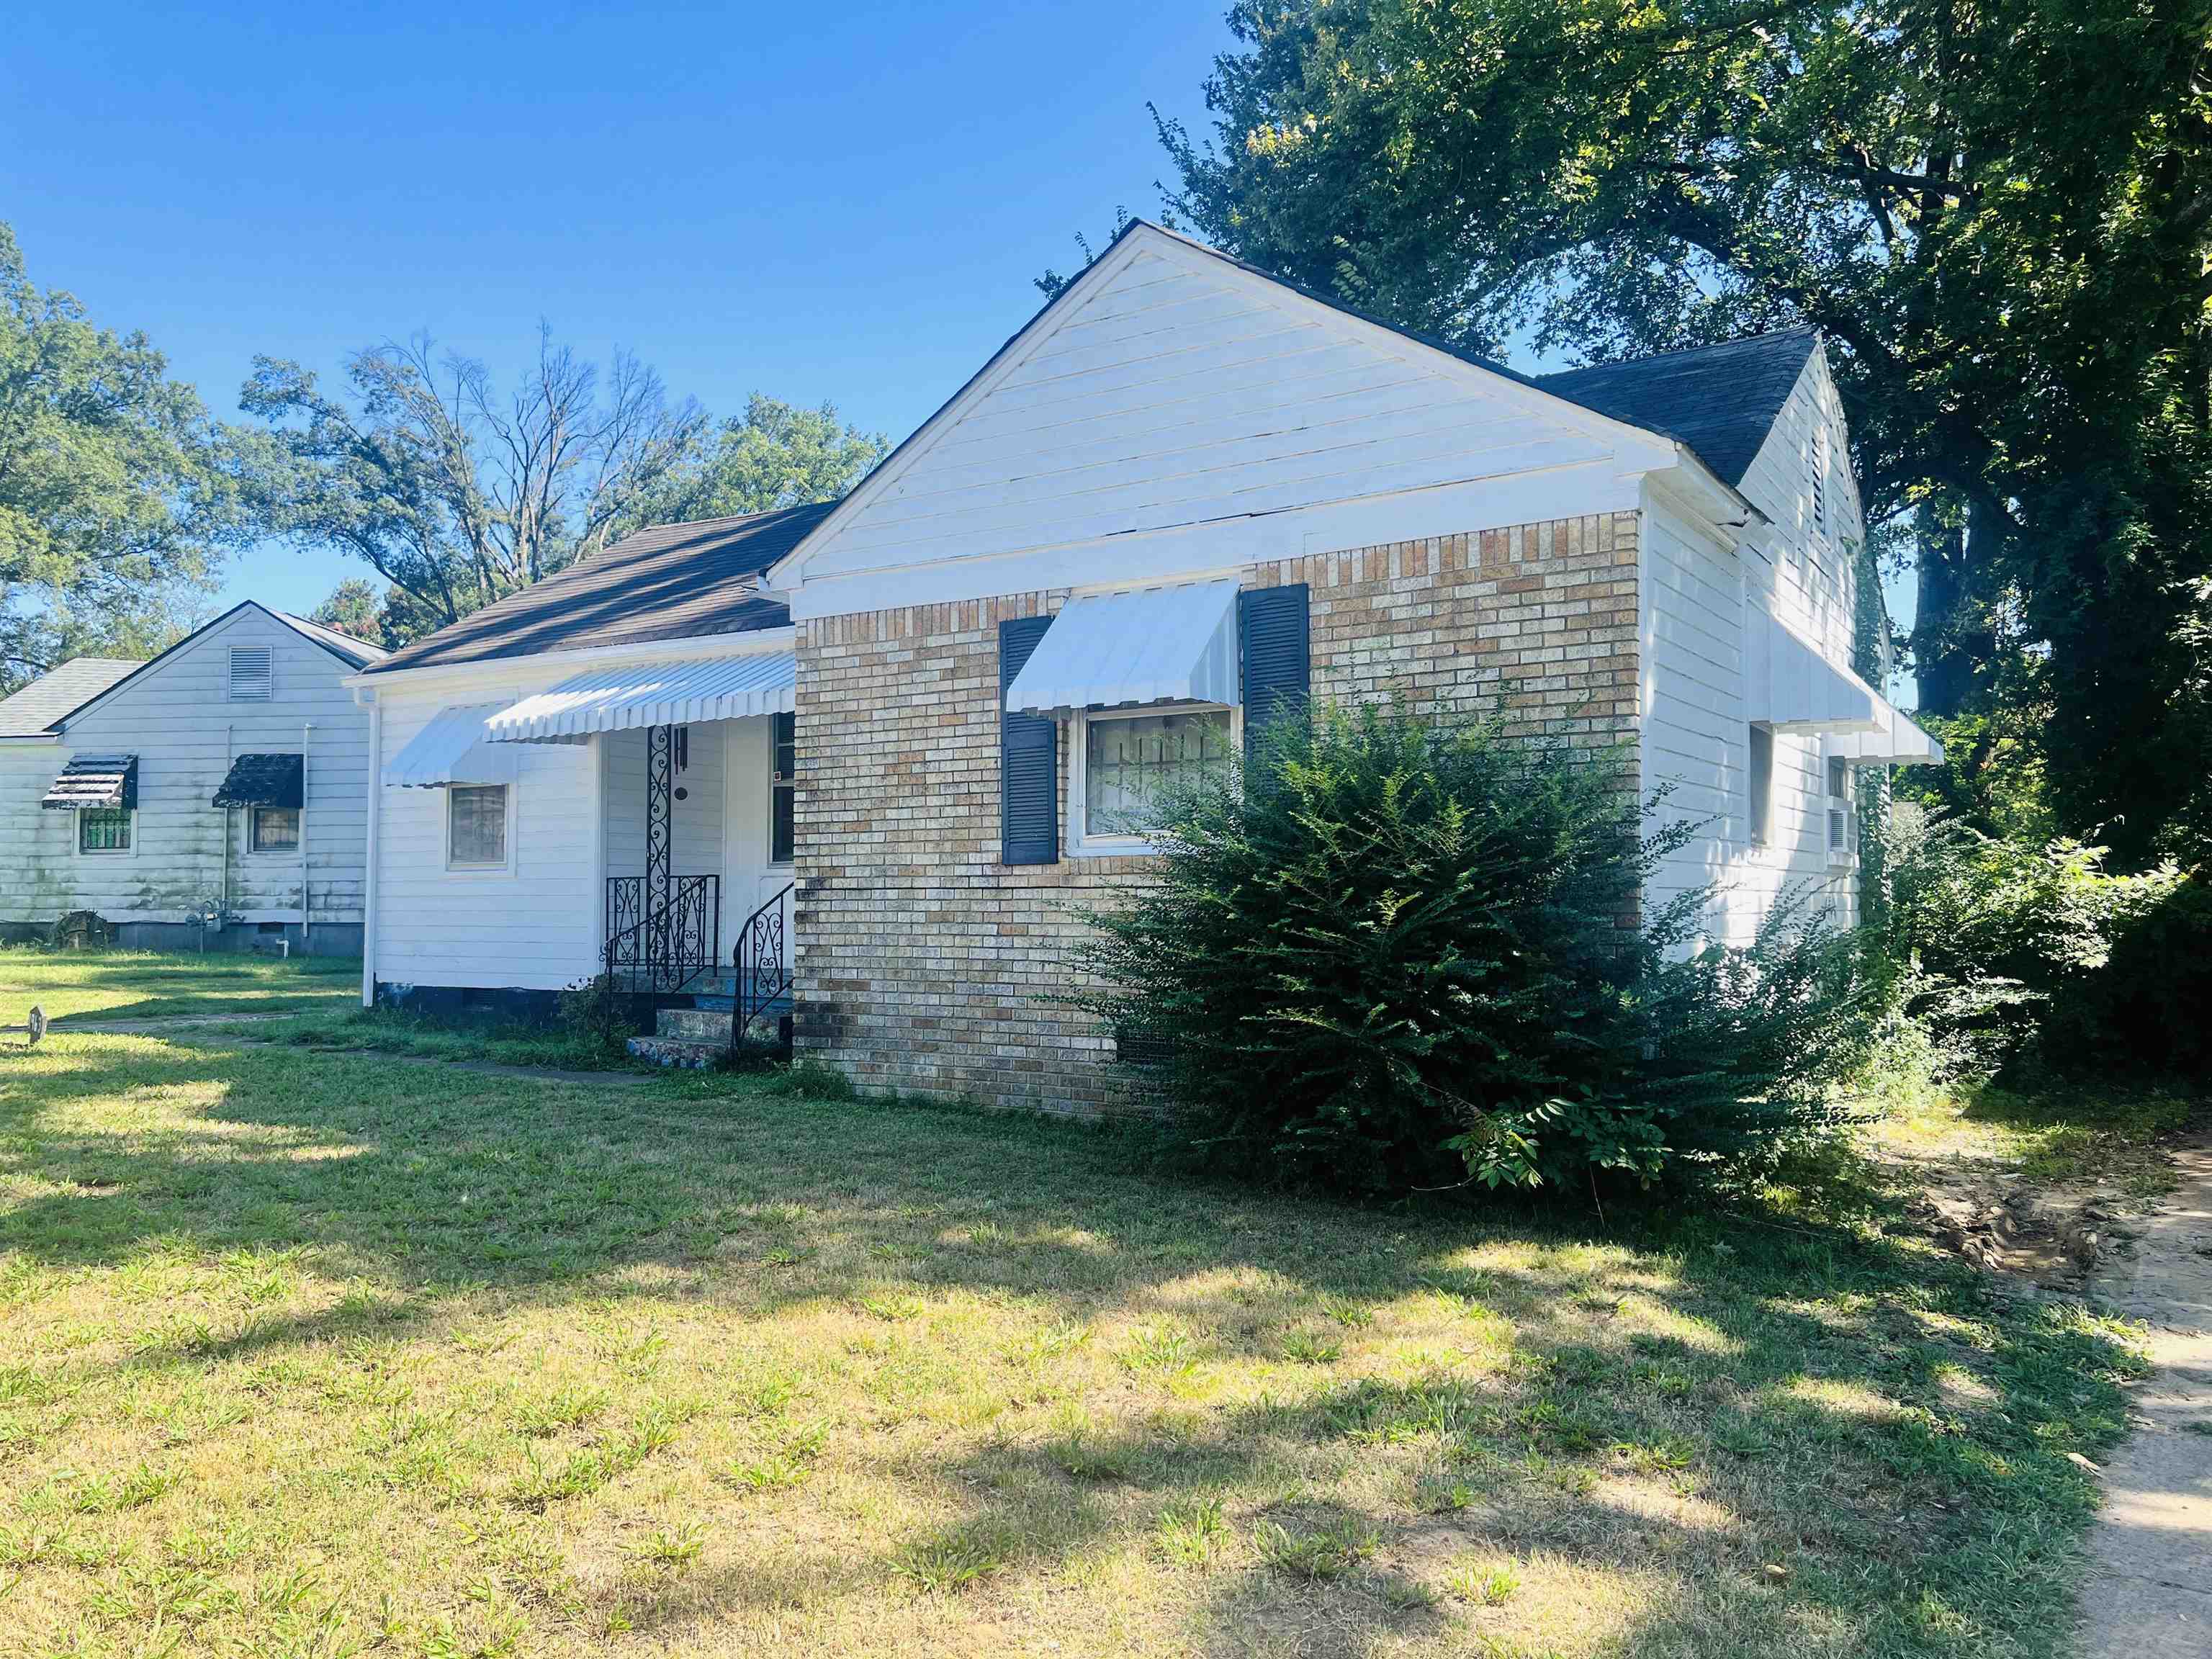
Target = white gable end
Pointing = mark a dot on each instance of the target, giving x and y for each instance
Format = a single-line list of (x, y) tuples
[(1174, 389)]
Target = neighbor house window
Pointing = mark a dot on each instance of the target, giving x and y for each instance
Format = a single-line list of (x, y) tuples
[(475, 826), (253, 674), (782, 786), (1762, 783), (1133, 765), (103, 829), (274, 829)]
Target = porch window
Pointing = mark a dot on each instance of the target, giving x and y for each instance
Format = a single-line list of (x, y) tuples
[(1762, 783), (104, 829), (476, 820), (782, 786), (1134, 763), (274, 829)]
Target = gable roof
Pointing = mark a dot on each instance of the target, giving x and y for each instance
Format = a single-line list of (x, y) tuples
[(34, 711), (359, 653), (670, 581), (1721, 400)]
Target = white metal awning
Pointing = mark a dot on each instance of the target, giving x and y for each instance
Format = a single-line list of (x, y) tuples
[(1790, 684), (653, 694), (1156, 645), (451, 749)]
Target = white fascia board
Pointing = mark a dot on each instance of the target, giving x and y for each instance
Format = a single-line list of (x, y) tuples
[(443, 676), (1191, 550), (27, 739)]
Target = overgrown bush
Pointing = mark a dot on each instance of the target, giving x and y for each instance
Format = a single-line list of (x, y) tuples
[(1407, 957), (598, 1013), (2014, 950)]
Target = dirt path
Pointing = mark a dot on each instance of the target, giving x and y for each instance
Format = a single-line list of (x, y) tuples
[(2151, 1596)]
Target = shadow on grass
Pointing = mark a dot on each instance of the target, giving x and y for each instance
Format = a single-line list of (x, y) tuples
[(1812, 1394)]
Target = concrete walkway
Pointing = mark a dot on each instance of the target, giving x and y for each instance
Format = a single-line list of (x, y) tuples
[(2151, 1594)]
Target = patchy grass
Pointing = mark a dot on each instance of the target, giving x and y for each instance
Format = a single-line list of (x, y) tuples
[(2058, 1134), (323, 1354), (393, 1031), (158, 985)]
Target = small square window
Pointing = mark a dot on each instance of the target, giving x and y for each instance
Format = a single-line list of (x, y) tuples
[(475, 816), (274, 829), (1134, 764), (103, 829)]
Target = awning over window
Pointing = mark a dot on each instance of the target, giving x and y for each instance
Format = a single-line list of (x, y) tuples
[(653, 694), (1157, 645), (1789, 685), (95, 780), (262, 781), (1895, 741), (451, 749)]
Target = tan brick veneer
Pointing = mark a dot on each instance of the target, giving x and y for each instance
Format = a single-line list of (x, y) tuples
[(926, 964)]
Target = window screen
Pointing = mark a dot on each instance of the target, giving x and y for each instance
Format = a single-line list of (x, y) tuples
[(782, 787), (253, 674), (103, 829), (1762, 782), (477, 818), (1132, 765), (276, 830)]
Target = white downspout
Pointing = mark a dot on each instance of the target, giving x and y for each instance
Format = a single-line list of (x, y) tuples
[(375, 814), (307, 741)]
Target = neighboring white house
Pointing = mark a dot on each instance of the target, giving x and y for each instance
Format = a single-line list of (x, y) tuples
[(215, 794), (1184, 491)]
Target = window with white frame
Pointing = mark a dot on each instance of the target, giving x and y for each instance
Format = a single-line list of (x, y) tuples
[(273, 830), (1839, 807), (1131, 763), (782, 786), (477, 826), (103, 828), (253, 674)]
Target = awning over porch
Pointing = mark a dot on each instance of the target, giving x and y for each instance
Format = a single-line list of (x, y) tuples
[(1791, 685), (652, 694), (262, 781), (95, 780), (1156, 645), (451, 749)]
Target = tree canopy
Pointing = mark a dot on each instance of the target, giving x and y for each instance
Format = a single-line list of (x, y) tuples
[(118, 492), (1999, 211)]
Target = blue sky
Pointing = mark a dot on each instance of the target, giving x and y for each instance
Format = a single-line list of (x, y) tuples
[(840, 201)]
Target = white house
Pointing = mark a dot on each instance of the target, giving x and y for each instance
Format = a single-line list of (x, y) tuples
[(214, 794), (932, 713)]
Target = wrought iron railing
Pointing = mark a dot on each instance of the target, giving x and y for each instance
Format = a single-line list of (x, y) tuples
[(661, 939), (761, 962)]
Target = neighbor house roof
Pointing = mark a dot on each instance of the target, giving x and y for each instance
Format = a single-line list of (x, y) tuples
[(671, 581), (1721, 400), (354, 653), (359, 653), (36, 710)]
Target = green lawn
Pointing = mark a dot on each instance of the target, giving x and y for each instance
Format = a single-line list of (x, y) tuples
[(152, 985), (316, 1354)]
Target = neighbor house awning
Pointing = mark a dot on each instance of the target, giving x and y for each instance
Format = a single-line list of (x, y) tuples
[(95, 780), (262, 781), (1791, 685), (451, 749), (1156, 645), (652, 694)]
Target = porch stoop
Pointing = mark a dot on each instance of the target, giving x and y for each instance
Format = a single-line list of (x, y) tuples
[(698, 1036)]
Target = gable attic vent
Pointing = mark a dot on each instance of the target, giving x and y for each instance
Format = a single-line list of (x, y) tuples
[(253, 674)]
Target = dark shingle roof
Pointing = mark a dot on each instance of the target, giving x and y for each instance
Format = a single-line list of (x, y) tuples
[(34, 711), (95, 780), (672, 582), (1721, 400)]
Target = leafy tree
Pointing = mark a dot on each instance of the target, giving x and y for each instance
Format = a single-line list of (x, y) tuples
[(774, 455), (1999, 211), (452, 495), (117, 490), (353, 608)]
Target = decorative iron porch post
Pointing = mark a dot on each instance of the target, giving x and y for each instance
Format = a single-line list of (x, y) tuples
[(659, 851)]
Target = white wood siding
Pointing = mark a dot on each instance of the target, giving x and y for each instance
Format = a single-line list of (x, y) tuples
[(1182, 392), (177, 720), (1695, 597)]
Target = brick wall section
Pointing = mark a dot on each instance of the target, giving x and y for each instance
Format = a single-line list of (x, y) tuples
[(925, 964)]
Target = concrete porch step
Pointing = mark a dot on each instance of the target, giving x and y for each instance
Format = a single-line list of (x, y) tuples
[(693, 1024), (676, 1053)]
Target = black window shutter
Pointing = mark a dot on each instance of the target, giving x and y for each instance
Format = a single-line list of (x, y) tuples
[(1274, 640), (1028, 758)]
